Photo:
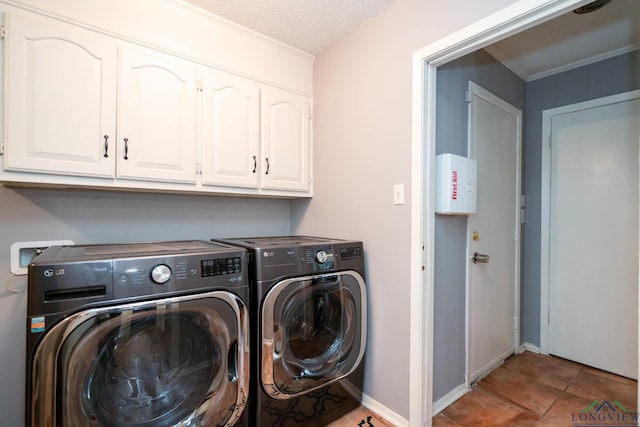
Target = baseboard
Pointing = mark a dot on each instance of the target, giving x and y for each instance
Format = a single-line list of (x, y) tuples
[(449, 398), (529, 347), (386, 413)]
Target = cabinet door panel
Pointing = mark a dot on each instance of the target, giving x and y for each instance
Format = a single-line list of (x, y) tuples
[(285, 140), (60, 98), (231, 130), (157, 122)]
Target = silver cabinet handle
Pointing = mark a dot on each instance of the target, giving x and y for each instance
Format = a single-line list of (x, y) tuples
[(106, 146), (255, 164), (267, 171), (479, 258), (126, 148)]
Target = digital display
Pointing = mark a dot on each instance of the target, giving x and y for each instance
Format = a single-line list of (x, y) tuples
[(354, 252), (221, 266)]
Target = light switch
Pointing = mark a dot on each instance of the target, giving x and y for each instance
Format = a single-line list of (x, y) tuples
[(398, 194)]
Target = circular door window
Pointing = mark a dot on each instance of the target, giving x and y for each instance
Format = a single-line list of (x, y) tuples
[(172, 362), (155, 374), (315, 335)]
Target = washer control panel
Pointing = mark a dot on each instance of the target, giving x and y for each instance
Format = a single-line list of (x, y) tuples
[(220, 266)]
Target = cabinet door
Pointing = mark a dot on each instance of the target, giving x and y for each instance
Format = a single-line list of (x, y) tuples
[(285, 140), (157, 122), (60, 98), (231, 130)]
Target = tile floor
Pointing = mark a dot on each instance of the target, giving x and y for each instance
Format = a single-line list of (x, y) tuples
[(361, 417), (544, 391), (527, 390)]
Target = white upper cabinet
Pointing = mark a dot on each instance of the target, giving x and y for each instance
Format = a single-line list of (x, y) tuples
[(254, 135), (91, 109), (285, 140), (231, 130), (60, 98), (157, 117)]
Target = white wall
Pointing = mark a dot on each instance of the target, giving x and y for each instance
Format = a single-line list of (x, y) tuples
[(362, 137)]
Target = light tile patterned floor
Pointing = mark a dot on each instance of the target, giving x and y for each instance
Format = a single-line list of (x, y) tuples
[(543, 391)]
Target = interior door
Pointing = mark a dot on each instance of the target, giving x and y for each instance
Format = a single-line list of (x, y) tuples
[(593, 244), (494, 142)]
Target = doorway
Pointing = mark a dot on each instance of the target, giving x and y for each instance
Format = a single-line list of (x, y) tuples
[(426, 61)]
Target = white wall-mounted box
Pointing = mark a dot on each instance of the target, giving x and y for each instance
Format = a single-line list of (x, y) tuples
[(455, 185)]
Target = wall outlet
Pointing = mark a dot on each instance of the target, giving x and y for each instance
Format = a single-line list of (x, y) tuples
[(22, 253)]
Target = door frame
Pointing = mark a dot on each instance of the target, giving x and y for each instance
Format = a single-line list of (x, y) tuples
[(477, 90), (513, 19), (545, 211)]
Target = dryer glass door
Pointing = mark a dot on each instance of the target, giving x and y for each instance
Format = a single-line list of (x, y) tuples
[(161, 363), (313, 332)]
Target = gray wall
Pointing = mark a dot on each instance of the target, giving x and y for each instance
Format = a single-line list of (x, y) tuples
[(450, 231), (608, 77), (97, 217)]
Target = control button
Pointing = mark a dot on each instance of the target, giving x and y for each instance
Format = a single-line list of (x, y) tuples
[(321, 257), (161, 274)]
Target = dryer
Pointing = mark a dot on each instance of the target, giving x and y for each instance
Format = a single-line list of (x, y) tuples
[(143, 334), (309, 328)]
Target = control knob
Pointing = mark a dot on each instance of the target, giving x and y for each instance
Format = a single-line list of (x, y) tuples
[(160, 274), (321, 257)]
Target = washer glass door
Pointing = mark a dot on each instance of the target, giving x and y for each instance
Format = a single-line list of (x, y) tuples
[(313, 332), (176, 361)]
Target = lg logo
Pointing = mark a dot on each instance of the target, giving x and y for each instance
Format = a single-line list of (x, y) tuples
[(267, 254), (49, 272)]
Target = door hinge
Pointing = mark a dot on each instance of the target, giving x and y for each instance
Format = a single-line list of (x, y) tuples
[(515, 323), (523, 215), (1, 148), (199, 86), (198, 168), (2, 32), (515, 234), (467, 96)]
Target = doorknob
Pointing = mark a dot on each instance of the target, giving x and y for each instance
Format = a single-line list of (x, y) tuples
[(482, 258)]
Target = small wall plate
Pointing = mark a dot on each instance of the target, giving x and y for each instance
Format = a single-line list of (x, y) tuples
[(22, 253)]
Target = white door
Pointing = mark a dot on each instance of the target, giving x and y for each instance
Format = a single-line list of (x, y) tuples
[(593, 251), (494, 142), (60, 98), (231, 130), (285, 140), (157, 120)]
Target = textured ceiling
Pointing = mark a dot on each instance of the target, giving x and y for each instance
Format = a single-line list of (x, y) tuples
[(309, 25)]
